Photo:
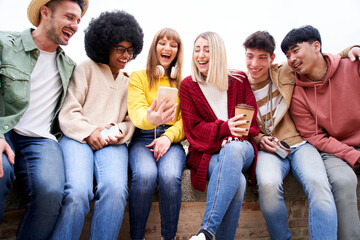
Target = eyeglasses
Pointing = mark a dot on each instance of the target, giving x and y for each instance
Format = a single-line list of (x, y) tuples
[(122, 49)]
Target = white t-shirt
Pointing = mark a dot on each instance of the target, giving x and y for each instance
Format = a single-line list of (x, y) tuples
[(45, 89)]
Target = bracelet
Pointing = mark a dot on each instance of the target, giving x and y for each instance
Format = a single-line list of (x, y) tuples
[(230, 139)]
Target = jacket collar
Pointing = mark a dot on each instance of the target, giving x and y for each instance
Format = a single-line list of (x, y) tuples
[(29, 44)]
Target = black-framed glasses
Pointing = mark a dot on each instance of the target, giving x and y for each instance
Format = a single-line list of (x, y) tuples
[(121, 49)]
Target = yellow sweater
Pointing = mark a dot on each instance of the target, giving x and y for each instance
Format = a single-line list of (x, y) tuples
[(140, 97)]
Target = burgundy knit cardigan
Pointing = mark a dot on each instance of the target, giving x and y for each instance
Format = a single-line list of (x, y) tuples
[(204, 131)]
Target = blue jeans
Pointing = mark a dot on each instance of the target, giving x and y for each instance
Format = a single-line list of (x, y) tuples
[(39, 168), (226, 189), (110, 165), (147, 174), (343, 181), (307, 167)]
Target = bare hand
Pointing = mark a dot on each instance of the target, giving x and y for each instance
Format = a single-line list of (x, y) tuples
[(354, 53), (6, 149), (113, 141), (95, 140), (161, 116), (266, 144), (236, 121), (160, 146)]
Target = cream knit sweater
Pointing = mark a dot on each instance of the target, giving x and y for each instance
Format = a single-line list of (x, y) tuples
[(95, 99)]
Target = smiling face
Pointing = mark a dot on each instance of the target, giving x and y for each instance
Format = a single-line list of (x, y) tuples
[(62, 22), (166, 51), (117, 60), (302, 57), (202, 55), (258, 63)]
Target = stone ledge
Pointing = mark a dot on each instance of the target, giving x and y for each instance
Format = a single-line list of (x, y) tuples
[(292, 190), (251, 225)]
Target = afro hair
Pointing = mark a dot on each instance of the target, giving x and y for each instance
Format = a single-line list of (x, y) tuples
[(109, 29)]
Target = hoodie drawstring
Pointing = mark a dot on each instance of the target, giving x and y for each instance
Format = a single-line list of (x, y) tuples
[(331, 121), (316, 105), (316, 119)]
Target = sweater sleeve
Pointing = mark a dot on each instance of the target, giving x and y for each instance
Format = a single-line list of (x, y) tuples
[(71, 119), (137, 104), (205, 136), (318, 137), (176, 132), (127, 128)]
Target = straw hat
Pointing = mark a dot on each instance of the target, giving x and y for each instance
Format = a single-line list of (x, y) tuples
[(33, 10)]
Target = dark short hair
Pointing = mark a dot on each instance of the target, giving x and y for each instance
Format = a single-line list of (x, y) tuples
[(52, 4), (260, 40), (109, 29), (299, 35)]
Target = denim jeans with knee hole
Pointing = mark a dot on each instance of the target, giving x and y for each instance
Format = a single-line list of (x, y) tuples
[(147, 174), (40, 169)]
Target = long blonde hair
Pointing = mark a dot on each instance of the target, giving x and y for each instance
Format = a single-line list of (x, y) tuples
[(218, 68), (153, 61)]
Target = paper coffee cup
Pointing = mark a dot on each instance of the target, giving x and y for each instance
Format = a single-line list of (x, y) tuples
[(241, 109)]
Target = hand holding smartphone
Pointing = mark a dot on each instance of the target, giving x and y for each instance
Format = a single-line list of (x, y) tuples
[(110, 132)]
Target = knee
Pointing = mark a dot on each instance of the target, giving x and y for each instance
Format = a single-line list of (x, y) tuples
[(115, 191), (235, 152), (78, 198), (144, 179), (170, 179), (270, 188), (345, 185)]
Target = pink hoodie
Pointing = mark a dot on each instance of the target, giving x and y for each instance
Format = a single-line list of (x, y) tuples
[(327, 113)]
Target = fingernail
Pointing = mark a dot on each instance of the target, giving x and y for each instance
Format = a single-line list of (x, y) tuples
[(244, 115), (246, 130), (247, 121)]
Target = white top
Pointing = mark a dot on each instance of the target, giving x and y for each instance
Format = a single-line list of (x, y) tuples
[(217, 100), (267, 109), (45, 89)]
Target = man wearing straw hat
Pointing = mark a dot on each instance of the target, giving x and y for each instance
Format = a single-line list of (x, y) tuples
[(34, 76)]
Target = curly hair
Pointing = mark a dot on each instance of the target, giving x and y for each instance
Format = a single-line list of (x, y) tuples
[(109, 29)]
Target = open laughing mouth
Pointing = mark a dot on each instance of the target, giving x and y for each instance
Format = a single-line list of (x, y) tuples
[(68, 32), (166, 56), (296, 66), (202, 63)]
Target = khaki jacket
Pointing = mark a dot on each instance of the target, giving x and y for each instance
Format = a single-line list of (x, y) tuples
[(284, 127)]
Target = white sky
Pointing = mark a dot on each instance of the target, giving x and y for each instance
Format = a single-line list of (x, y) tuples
[(337, 20)]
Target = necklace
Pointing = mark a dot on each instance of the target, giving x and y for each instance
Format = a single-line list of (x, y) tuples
[(322, 77)]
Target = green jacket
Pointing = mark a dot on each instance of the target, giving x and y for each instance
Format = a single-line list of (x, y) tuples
[(18, 56)]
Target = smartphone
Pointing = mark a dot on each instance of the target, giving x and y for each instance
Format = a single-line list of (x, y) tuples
[(110, 132), (165, 92)]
